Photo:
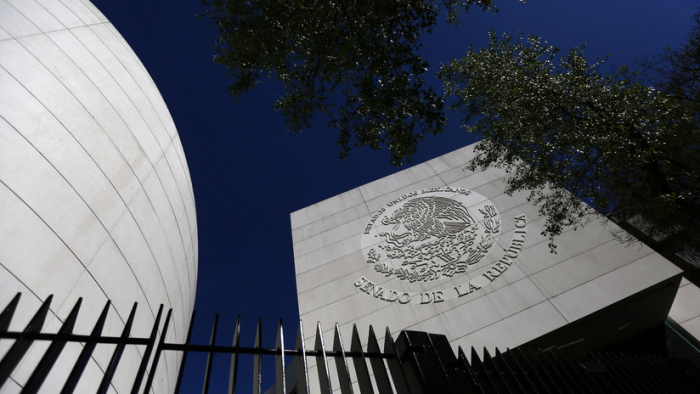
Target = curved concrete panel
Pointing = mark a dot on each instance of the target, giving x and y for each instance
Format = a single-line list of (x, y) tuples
[(95, 195)]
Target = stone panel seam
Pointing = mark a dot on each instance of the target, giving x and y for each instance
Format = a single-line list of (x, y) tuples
[(111, 104), (315, 221), (60, 174), (591, 280), (409, 305), (170, 249), (71, 250), (162, 155), (572, 256), (117, 82), (48, 31), (129, 71), (54, 310), (599, 276), (71, 185), (321, 236), (87, 111), (481, 295), (117, 148), (179, 188), (76, 15), (12, 273), (25, 17), (511, 315), (79, 196), (348, 274), (399, 188)]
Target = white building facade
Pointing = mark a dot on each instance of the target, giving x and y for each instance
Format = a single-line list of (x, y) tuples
[(96, 199), (442, 249)]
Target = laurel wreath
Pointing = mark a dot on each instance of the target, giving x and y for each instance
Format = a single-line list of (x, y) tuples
[(426, 273)]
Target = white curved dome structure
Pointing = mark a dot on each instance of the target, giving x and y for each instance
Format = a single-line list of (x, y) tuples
[(96, 199)]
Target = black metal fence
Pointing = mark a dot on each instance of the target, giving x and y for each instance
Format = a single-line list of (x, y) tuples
[(415, 363)]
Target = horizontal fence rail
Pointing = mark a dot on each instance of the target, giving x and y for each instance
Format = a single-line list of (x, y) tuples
[(414, 363)]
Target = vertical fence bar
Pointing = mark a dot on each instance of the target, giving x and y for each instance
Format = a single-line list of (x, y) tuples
[(424, 358), (341, 363), (482, 377), (395, 365), (85, 354), (575, 369), (47, 361), (21, 345), (636, 384), (516, 377), (561, 370), (381, 377), (184, 355), (324, 378), (149, 349), (257, 360), (116, 356), (8, 312), (281, 383), (494, 375), (542, 385), (556, 372), (521, 370), (302, 365), (210, 356), (233, 371), (156, 356), (360, 363), (472, 383)]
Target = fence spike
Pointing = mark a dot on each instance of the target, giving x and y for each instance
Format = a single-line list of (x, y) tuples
[(149, 349), (257, 360), (324, 377), (360, 363), (51, 355), (475, 360), (116, 356), (21, 345), (472, 379), (233, 371), (210, 356), (8, 312), (394, 362), (281, 383), (302, 364), (341, 363), (184, 355), (86, 353), (378, 368), (156, 356)]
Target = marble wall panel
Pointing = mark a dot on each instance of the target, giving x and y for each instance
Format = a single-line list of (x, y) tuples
[(391, 184), (95, 195), (509, 305), (326, 208), (37, 14), (14, 23)]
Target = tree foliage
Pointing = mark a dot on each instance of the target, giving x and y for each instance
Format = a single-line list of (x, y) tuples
[(677, 71), (558, 125), (355, 62)]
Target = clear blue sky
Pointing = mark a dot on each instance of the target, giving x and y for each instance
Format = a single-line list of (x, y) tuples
[(248, 174)]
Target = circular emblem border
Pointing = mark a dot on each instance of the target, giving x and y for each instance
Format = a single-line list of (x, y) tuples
[(431, 233), (471, 286)]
